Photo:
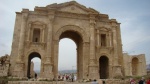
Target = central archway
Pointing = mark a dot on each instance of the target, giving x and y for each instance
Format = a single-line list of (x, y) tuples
[(80, 37), (103, 67), (74, 36), (31, 56)]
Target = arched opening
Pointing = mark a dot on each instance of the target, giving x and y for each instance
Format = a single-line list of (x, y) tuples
[(67, 54), (103, 67), (35, 67), (30, 71), (135, 64), (78, 49)]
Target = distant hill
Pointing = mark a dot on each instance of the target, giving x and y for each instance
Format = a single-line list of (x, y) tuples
[(67, 71)]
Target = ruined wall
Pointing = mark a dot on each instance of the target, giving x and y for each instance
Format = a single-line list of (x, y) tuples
[(4, 66), (134, 65)]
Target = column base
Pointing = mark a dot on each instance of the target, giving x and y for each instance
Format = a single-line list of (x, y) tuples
[(117, 72), (93, 72), (47, 74), (18, 70)]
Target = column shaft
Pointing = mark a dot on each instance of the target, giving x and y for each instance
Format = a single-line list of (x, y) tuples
[(98, 38), (22, 37), (28, 39), (115, 47)]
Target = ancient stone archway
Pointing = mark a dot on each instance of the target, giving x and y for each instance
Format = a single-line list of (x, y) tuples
[(135, 66), (93, 32), (77, 35), (30, 57), (103, 67)]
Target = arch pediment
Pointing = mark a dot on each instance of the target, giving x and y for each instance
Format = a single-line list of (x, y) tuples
[(72, 7), (37, 23), (104, 29)]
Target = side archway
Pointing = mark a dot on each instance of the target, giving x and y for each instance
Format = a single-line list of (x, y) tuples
[(135, 66), (103, 67), (30, 57)]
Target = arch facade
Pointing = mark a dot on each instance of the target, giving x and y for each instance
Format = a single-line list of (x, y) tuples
[(94, 34), (30, 66)]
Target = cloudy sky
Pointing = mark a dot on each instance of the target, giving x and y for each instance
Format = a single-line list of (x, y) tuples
[(134, 16)]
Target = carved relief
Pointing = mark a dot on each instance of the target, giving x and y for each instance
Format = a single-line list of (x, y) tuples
[(73, 9)]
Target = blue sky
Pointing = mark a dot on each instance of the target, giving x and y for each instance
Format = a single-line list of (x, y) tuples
[(134, 16)]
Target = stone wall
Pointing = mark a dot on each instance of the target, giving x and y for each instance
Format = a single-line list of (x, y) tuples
[(4, 65), (139, 65)]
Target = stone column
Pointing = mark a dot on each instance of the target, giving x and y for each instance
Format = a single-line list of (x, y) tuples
[(29, 32), (115, 46), (98, 43), (116, 67), (93, 69), (85, 60), (43, 33), (107, 38), (98, 39), (55, 51), (48, 73), (18, 70), (110, 39)]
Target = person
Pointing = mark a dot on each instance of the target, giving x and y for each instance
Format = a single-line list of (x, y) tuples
[(35, 75), (148, 81), (142, 81), (103, 82), (94, 82), (132, 81), (72, 77)]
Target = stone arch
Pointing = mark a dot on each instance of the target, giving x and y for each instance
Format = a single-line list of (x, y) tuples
[(33, 50), (79, 36), (103, 54), (135, 66), (104, 67), (74, 28), (30, 57)]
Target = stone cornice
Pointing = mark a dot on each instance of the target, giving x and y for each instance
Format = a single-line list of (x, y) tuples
[(71, 15)]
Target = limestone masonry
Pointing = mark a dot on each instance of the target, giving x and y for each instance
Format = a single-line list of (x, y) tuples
[(99, 48)]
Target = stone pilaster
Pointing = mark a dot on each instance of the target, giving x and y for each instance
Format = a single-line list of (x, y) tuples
[(55, 51), (19, 67), (85, 60), (43, 33), (110, 39), (29, 32), (116, 67), (93, 69), (48, 66), (98, 39)]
